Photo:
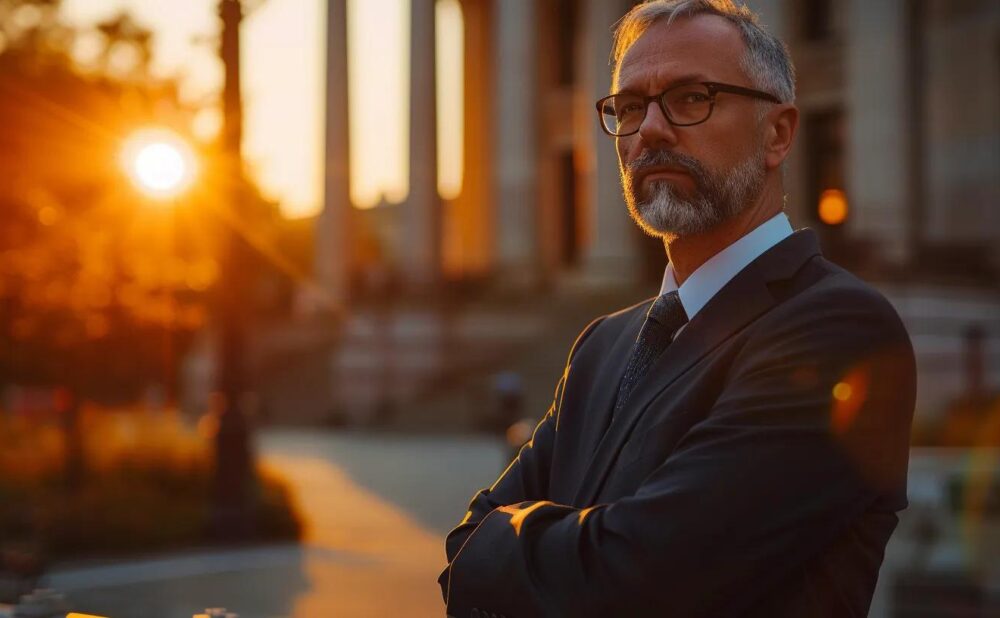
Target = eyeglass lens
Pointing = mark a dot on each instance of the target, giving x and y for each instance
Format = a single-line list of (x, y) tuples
[(685, 104)]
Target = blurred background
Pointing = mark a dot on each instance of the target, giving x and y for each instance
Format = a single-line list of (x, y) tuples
[(284, 282)]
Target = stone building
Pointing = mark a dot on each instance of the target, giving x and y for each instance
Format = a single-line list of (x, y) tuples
[(900, 123)]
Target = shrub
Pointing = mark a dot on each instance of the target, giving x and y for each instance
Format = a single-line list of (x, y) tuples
[(139, 482)]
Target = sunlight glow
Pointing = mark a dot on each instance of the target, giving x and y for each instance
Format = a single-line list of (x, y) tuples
[(518, 514), (379, 75), (284, 108), (450, 100), (284, 73), (159, 162), (378, 35)]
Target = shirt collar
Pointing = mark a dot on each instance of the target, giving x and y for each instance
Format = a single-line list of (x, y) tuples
[(713, 275)]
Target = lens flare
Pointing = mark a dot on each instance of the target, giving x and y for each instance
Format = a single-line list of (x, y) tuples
[(849, 395)]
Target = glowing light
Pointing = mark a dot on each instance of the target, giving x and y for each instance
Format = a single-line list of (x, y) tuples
[(833, 207), (159, 162), (842, 391), (849, 395)]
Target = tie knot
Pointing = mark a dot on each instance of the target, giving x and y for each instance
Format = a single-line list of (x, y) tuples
[(667, 311)]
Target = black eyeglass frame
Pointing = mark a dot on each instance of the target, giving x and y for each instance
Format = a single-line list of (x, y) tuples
[(713, 89)]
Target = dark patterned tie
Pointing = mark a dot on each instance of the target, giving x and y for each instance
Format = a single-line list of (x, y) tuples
[(665, 316)]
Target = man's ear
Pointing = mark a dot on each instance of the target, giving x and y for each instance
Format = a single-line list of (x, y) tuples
[(782, 124)]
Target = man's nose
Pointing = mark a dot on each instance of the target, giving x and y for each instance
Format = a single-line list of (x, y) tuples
[(656, 130)]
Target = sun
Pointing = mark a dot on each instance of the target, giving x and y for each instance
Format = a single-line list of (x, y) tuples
[(159, 162)]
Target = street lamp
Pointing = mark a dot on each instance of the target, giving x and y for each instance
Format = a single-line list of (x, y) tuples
[(159, 162)]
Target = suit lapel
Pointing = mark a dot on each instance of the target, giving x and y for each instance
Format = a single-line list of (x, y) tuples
[(738, 303), (606, 390)]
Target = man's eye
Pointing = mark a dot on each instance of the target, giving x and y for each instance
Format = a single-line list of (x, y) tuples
[(694, 97), (629, 108)]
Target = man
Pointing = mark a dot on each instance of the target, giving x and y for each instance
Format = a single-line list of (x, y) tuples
[(738, 445)]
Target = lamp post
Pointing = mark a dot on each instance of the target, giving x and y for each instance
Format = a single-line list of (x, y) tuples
[(163, 166), (231, 516)]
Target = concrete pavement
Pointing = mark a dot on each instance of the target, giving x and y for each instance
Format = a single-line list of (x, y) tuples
[(376, 510)]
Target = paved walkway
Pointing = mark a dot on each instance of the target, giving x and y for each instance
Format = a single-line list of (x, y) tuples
[(377, 508)]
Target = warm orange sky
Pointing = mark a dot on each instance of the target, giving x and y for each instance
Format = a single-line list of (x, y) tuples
[(283, 84)]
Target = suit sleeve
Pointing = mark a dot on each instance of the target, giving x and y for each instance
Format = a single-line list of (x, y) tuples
[(810, 429), (526, 478)]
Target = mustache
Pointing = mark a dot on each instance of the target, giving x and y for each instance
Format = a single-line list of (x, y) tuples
[(666, 158)]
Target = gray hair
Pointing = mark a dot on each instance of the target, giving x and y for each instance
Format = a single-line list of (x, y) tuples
[(767, 62)]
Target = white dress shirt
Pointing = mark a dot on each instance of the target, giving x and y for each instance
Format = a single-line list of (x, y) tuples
[(713, 275)]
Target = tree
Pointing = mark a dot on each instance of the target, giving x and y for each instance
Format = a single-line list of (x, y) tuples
[(96, 285)]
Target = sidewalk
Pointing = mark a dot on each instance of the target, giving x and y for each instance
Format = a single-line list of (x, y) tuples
[(376, 508)]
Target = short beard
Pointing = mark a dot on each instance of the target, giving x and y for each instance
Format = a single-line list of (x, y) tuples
[(717, 197)]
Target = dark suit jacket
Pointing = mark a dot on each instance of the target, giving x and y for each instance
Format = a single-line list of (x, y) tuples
[(755, 471)]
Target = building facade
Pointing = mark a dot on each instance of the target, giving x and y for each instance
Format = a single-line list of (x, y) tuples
[(899, 105)]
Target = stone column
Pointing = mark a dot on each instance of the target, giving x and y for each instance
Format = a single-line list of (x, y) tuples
[(878, 136), (332, 244), (471, 245), (612, 253), (516, 141), (422, 228)]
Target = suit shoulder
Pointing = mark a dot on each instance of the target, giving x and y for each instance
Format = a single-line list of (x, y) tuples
[(845, 288), (608, 327), (623, 316), (583, 336), (829, 294), (613, 324)]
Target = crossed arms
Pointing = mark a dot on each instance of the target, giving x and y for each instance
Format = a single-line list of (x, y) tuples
[(772, 474)]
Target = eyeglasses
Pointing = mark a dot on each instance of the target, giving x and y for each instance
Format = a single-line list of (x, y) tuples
[(683, 106)]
